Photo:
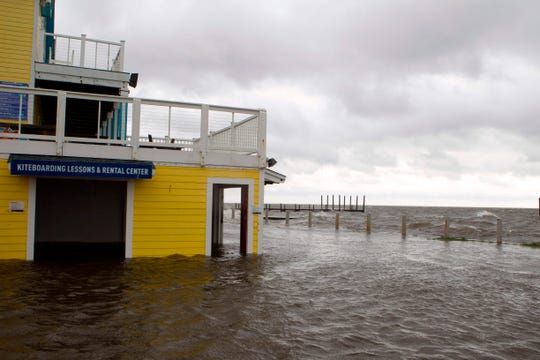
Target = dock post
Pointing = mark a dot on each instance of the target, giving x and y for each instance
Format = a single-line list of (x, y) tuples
[(310, 218), (339, 203), (287, 217), (368, 223), (337, 221), (499, 231), (445, 228), (356, 208), (232, 213), (266, 216), (332, 202), (350, 202), (403, 226), (364, 204)]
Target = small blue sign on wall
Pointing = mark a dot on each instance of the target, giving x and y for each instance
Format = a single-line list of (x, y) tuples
[(46, 166), (13, 106)]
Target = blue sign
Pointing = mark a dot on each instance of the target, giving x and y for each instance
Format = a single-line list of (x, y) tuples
[(87, 168), (13, 106)]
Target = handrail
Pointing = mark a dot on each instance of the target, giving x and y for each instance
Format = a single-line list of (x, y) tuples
[(134, 122), (90, 52)]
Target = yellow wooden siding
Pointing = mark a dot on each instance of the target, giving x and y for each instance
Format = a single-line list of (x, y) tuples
[(169, 211), (13, 226), (16, 40)]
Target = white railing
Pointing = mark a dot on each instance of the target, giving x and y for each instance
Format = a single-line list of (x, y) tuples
[(135, 123), (82, 51)]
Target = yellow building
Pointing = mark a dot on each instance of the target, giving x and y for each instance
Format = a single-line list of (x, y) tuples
[(86, 169)]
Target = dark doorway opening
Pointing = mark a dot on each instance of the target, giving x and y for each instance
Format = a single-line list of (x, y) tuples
[(218, 245), (79, 219)]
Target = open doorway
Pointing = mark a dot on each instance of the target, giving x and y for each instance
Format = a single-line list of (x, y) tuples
[(229, 235), (79, 219)]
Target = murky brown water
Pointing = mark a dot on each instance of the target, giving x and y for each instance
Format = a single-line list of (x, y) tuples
[(314, 294)]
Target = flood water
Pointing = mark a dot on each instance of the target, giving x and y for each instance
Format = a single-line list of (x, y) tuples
[(315, 294)]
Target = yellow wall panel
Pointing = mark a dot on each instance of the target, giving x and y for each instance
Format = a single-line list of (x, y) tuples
[(169, 211), (13, 226), (16, 40)]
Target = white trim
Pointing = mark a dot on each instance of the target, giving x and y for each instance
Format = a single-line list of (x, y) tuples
[(128, 240), (37, 18), (209, 197), (31, 219), (260, 217)]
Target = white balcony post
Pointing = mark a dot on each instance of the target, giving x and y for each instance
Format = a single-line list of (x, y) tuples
[(122, 52), (60, 121), (233, 132), (261, 134), (203, 142), (83, 50), (135, 127)]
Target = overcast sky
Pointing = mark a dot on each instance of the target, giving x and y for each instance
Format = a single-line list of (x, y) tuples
[(409, 102)]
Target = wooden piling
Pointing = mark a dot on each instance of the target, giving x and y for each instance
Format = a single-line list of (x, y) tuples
[(368, 223), (403, 226), (445, 229), (266, 216), (499, 231), (310, 218), (332, 202), (337, 220), (232, 213), (287, 217)]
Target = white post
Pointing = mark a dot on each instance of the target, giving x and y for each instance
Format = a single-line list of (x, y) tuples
[(499, 231), (261, 133), (203, 141), (122, 54), (135, 127), (169, 124), (60, 121), (83, 50), (233, 132)]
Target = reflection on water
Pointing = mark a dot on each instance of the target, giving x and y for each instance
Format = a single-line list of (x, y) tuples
[(313, 294)]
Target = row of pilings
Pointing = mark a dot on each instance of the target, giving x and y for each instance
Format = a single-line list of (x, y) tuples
[(445, 235)]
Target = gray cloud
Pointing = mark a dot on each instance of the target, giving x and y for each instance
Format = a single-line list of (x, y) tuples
[(429, 88)]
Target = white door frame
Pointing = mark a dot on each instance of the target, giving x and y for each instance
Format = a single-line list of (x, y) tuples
[(209, 197)]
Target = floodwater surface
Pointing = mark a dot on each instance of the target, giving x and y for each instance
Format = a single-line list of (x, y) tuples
[(314, 294)]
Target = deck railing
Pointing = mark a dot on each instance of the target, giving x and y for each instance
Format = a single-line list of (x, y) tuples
[(131, 122), (82, 51)]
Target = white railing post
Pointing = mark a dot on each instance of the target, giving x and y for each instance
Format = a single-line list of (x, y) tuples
[(203, 142), (83, 50), (60, 121), (135, 127), (122, 52), (261, 136), (233, 132)]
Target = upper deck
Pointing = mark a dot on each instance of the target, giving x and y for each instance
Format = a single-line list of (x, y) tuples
[(80, 60), (60, 123)]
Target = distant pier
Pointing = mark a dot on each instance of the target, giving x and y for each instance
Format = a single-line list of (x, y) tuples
[(332, 203)]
